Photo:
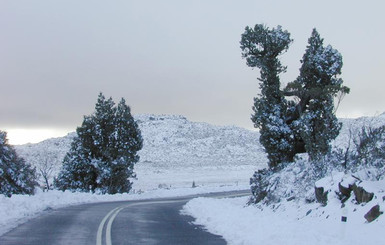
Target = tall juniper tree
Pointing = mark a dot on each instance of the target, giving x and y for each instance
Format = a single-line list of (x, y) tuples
[(103, 154), (16, 176), (288, 127), (261, 47)]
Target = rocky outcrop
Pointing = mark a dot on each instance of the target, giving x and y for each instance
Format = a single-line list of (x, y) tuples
[(344, 192), (345, 187), (373, 213), (361, 195)]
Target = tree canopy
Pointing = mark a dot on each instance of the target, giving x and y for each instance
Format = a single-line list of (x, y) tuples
[(16, 176), (307, 123), (103, 154)]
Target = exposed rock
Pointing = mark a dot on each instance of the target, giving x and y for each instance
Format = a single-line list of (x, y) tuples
[(344, 192), (345, 187), (373, 213), (361, 194), (290, 199), (321, 195)]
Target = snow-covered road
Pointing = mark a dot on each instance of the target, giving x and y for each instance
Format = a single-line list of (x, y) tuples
[(151, 221)]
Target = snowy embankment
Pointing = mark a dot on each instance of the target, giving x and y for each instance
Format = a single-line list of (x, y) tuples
[(20, 208), (293, 222), (297, 218)]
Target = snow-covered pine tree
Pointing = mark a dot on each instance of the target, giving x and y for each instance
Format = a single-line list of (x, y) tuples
[(313, 119), (126, 142), (79, 170), (261, 47), (16, 176), (103, 155), (102, 141)]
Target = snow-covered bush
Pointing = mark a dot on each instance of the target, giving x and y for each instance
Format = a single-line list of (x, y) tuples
[(365, 150), (370, 147), (293, 180), (365, 159)]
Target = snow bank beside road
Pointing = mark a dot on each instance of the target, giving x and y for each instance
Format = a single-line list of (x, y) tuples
[(289, 223), (20, 208)]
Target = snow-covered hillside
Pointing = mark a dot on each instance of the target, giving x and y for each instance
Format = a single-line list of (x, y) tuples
[(46, 155), (177, 152), (352, 126), (174, 146), (175, 141)]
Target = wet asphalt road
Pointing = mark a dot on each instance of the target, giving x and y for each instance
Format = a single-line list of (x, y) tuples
[(156, 221)]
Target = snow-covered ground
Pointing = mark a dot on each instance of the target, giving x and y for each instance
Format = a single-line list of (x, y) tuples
[(178, 152), (297, 221), (292, 222)]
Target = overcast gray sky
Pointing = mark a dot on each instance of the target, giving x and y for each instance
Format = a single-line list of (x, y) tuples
[(170, 57)]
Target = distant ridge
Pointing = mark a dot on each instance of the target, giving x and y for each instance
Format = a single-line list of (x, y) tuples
[(172, 141)]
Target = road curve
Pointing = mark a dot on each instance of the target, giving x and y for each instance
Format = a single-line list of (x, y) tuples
[(155, 221)]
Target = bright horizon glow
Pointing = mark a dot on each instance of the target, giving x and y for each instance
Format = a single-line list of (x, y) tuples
[(18, 136)]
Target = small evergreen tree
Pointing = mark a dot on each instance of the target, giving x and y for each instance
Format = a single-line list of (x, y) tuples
[(16, 176), (79, 171), (103, 155)]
